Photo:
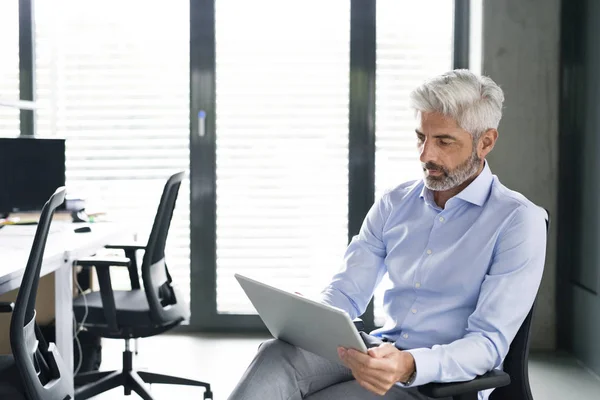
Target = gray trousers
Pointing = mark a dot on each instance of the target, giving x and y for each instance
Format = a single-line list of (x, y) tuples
[(281, 371)]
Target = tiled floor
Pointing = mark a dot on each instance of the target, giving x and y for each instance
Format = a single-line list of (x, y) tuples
[(222, 359)]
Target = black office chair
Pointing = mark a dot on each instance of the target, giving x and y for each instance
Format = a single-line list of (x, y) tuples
[(134, 313), (36, 370), (510, 384)]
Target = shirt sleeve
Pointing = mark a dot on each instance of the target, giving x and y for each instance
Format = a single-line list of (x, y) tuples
[(352, 287), (507, 295)]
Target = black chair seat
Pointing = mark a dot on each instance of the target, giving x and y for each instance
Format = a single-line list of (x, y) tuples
[(132, 311), (131, 305), (11, 386)]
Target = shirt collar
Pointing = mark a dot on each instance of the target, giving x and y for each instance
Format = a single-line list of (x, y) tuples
[(476, 193)]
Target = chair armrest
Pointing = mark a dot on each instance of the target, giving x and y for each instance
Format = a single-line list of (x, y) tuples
[(359, 324), (130, 250), (6, 307), (104, 261), (107, 295), (126, 246), (490, 380)]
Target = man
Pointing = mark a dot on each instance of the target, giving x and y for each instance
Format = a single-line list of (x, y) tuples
[(464, 253)]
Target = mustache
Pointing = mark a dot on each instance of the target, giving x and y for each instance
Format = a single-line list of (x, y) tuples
[(433, 166)]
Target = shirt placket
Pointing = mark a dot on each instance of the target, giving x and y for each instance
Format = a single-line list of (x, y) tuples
[(426, 260)]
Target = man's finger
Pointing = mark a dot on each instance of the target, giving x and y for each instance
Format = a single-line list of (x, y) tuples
[(383, 350), (371, 374), (365, 361), (355, 361), (374, 379), (378, 378), (349, 359)]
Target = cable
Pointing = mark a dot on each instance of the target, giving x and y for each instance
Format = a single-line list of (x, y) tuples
[(79, 349), (80, 327), (85, 305)]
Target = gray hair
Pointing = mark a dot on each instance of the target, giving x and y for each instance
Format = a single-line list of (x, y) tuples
[(473, 101)]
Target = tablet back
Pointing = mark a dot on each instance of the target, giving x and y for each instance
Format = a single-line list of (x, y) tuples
[(305, 323)]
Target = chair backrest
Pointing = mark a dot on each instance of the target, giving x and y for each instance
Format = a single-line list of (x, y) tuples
[(42, 369), (516, 363), (155, 274)]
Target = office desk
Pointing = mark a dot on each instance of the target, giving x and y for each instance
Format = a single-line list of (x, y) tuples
[(62, 248)]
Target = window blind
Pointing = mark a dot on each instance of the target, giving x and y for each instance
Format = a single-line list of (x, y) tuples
[(9, 67), (409, 50), (282, 70), (113, 79)]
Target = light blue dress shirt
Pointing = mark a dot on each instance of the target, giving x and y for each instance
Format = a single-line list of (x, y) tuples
[(464, 277)]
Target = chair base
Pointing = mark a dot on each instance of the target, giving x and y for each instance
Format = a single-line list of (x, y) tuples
[(90, 384)]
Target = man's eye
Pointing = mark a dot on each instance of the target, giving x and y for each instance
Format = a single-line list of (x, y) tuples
[(420, 139), (444, 143)]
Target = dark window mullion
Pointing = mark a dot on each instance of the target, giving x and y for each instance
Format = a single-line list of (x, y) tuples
[(361, 152), (202, 162), (27, 63), (203, 218), (460, 52)]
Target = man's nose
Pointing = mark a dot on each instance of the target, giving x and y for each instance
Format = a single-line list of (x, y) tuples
[(428, 152)]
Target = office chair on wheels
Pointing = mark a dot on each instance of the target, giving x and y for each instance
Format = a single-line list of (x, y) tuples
[(36, 371), (135, 313)]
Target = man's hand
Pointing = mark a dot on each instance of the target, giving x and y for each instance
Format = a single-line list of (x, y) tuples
[(381, 368)]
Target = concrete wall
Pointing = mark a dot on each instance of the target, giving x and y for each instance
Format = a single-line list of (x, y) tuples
[(521, 53), (579, 237)]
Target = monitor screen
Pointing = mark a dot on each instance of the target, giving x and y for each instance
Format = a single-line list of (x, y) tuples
[(31, 169)]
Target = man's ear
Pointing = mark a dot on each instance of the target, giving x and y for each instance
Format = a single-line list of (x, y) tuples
[(487, 142)]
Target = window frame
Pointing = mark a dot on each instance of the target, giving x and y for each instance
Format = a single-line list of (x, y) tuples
[(204, 316)]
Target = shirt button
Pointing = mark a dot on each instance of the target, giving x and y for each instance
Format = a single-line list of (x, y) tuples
[(414, 310), (429, 251), (405, 336), (417, 285), (441, 219)]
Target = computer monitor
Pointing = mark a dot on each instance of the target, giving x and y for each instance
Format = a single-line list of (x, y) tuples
[(30, 171)]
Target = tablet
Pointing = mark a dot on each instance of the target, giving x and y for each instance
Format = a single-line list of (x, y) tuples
[(310, 325)]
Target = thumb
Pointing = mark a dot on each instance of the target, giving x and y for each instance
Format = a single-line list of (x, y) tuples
[(383, 350)]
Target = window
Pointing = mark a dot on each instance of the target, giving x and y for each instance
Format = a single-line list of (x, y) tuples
[(282, 88), (113, 79), (408, 52), (9, 67), (475, 35)]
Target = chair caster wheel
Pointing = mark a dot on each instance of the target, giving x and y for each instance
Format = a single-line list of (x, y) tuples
[(208, 395)]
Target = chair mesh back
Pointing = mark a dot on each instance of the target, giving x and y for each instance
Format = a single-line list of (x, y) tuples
[(154, 269), (162, 220), (25, 303), (41, 369)]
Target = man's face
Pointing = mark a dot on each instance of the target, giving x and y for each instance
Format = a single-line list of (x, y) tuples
[(448, 153)]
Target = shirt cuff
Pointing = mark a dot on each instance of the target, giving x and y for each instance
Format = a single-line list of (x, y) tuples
[(427, 366)]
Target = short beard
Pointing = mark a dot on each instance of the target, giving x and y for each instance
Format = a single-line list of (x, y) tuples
[(454, 178)]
